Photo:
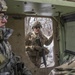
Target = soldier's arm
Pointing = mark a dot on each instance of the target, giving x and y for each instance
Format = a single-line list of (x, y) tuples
[(33, 48), (27, 41), (48, 41), (28, 45), (27, 37)]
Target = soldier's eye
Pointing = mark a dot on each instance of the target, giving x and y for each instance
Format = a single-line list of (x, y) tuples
[(5, 16)]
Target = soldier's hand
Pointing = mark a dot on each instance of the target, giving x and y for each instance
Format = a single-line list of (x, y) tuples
[(31, 47), (46, 50), (38, 48)]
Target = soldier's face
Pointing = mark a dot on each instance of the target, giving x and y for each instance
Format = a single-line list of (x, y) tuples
[(3, 19), (36, 30)]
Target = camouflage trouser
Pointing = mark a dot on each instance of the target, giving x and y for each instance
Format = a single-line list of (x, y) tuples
[(64, 69)]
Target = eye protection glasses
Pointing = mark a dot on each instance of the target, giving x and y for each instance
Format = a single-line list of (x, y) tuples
[(3, 16)]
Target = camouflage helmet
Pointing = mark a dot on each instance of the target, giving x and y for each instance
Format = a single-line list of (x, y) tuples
[(37, 24), (3, 6)]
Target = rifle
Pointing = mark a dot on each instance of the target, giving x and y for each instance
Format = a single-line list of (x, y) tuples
[(70, 52), (43, 52), (20, 68), (18, 65)]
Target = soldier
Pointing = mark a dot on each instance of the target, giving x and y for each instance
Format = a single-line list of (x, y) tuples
[(34, 42), (10, 64)]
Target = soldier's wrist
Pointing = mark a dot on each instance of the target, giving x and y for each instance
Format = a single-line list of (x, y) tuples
[(32, 47)]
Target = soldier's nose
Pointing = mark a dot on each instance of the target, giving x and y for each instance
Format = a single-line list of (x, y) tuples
[(4, 20)]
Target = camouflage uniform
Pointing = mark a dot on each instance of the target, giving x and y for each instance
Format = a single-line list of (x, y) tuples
[(67, 68), (33, 49), (5, 51), (68, 65), (8, 60)]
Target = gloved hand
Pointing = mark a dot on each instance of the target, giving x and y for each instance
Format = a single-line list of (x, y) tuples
[(32, 48), (38, 48), (46, 50)]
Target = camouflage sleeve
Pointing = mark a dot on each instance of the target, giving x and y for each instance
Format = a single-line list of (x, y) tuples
[(28, 36), (28, 43), (37, 48), (33, 48), (48, 41), (29, 46), (3, 61)]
